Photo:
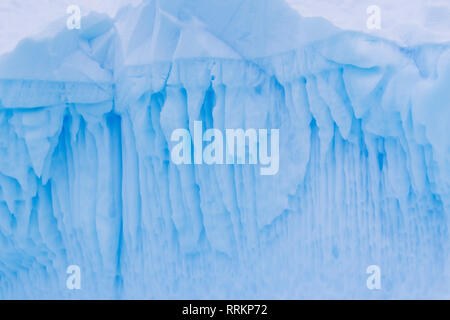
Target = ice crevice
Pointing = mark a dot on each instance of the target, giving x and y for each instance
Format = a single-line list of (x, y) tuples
[(86, 177)]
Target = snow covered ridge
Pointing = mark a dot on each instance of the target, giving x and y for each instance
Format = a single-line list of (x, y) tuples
[(86, 119), (408, 22)]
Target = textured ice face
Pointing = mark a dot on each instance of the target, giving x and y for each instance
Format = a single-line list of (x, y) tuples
[(86, 178)]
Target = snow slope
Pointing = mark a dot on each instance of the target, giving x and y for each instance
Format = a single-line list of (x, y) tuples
[(408, 22), (86, 177)]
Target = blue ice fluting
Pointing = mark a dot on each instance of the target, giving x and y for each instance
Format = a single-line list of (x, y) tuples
[(86, 177)]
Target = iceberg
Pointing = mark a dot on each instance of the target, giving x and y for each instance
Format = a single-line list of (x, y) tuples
[(86, 176)]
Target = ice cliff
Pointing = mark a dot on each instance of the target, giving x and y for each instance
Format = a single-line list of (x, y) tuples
[(86, 177)]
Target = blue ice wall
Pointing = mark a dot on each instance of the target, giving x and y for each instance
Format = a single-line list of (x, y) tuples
[(86, 177)]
